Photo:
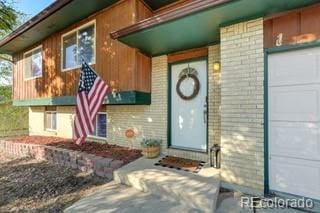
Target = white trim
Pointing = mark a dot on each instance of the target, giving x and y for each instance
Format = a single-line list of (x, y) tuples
[(76, 30), (98, 137), (24, 62), (31, 78), (76, 67), (50, 129)]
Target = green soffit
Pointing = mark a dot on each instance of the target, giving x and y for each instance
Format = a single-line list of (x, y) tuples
[(69, 14), (121, 98), (202, 28)]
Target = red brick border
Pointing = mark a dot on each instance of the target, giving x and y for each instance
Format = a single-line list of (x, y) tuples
[(100, 166)]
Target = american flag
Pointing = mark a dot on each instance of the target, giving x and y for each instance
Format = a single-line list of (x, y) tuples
[(91, 93)]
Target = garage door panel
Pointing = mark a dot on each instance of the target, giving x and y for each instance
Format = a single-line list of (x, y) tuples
[(300, 177), (297, 140), (294, 122), (295, 103), (295, 67)]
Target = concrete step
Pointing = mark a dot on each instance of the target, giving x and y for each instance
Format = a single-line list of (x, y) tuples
[(195, 190), (123, 199)]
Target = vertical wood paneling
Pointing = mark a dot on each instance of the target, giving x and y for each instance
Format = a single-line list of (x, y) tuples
[(15, 78), (310, 23), (268, 33), (297, 27), (117, 63), (143, 73), (288, 26), (142, 10)]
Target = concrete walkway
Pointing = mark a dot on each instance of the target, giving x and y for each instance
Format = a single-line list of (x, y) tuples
[(143, 187), (123, 199), (198, 190)]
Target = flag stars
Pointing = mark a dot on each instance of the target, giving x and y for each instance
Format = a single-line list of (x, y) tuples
[(87, 78)]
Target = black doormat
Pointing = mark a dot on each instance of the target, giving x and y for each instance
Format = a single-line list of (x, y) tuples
[(181, 164)]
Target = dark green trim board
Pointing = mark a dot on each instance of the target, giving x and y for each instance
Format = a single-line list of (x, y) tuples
[(293, 47), (197, 24), (266, 126), (129, 98), (267, 52), (55, 101), (169, 126), (121, 98)]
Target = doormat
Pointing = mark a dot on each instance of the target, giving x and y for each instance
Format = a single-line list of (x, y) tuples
[(181, 164)]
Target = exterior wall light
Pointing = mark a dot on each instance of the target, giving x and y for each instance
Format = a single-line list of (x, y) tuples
[(216, 66)]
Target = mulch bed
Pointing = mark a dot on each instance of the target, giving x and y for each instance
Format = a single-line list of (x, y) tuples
[(100, 149), (181, 164), (28, 185)]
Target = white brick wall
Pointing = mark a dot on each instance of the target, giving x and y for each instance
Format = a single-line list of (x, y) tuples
[(214, 98), (242, 104)]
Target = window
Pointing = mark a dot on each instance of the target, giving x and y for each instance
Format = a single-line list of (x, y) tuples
[(100, 129), (78, 45), (33, 63), (51, 120)]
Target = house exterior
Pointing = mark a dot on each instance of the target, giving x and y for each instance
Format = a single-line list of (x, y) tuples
[(242, 74)]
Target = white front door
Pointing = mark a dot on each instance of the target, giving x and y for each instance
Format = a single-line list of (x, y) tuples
[(294, 122), (189, 115)]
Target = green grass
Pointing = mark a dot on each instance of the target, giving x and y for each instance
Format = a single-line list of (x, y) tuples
[(13, 120)]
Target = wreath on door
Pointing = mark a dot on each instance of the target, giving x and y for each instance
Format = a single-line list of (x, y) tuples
[(185, 74)]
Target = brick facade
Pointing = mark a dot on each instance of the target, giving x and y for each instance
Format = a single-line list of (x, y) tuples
[(242, 131)]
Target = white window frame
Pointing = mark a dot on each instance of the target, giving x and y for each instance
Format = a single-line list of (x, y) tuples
[(25, 65), (93, 22), (45, 122), (96, 123)]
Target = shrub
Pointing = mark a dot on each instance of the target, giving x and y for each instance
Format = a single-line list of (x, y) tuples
[(150, 142)]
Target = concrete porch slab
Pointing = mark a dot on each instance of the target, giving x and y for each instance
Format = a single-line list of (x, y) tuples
[(197, 190)]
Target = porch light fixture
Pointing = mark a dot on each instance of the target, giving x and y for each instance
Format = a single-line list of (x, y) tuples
[(216, 66)]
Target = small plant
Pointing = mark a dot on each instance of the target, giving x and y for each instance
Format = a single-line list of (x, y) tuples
[(150, 142), (151, 147)]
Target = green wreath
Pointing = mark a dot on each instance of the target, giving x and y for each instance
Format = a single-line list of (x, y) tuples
[(196, 87)]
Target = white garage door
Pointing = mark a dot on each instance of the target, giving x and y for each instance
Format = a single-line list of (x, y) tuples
[(294, 122)]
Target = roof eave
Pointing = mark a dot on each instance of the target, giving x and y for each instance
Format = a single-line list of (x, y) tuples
[(51, 9), (193, 7)]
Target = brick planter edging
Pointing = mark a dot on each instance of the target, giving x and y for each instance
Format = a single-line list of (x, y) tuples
[(100, 166)]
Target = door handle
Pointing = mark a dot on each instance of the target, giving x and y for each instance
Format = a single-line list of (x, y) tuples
[(205, 111)]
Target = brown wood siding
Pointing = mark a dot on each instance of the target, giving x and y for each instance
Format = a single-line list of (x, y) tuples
[(297, 26), (188, 54), (117, 63), (143, 10), (143, 79)]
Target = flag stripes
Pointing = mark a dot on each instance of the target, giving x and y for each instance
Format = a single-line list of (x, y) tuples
[(91, 93)]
